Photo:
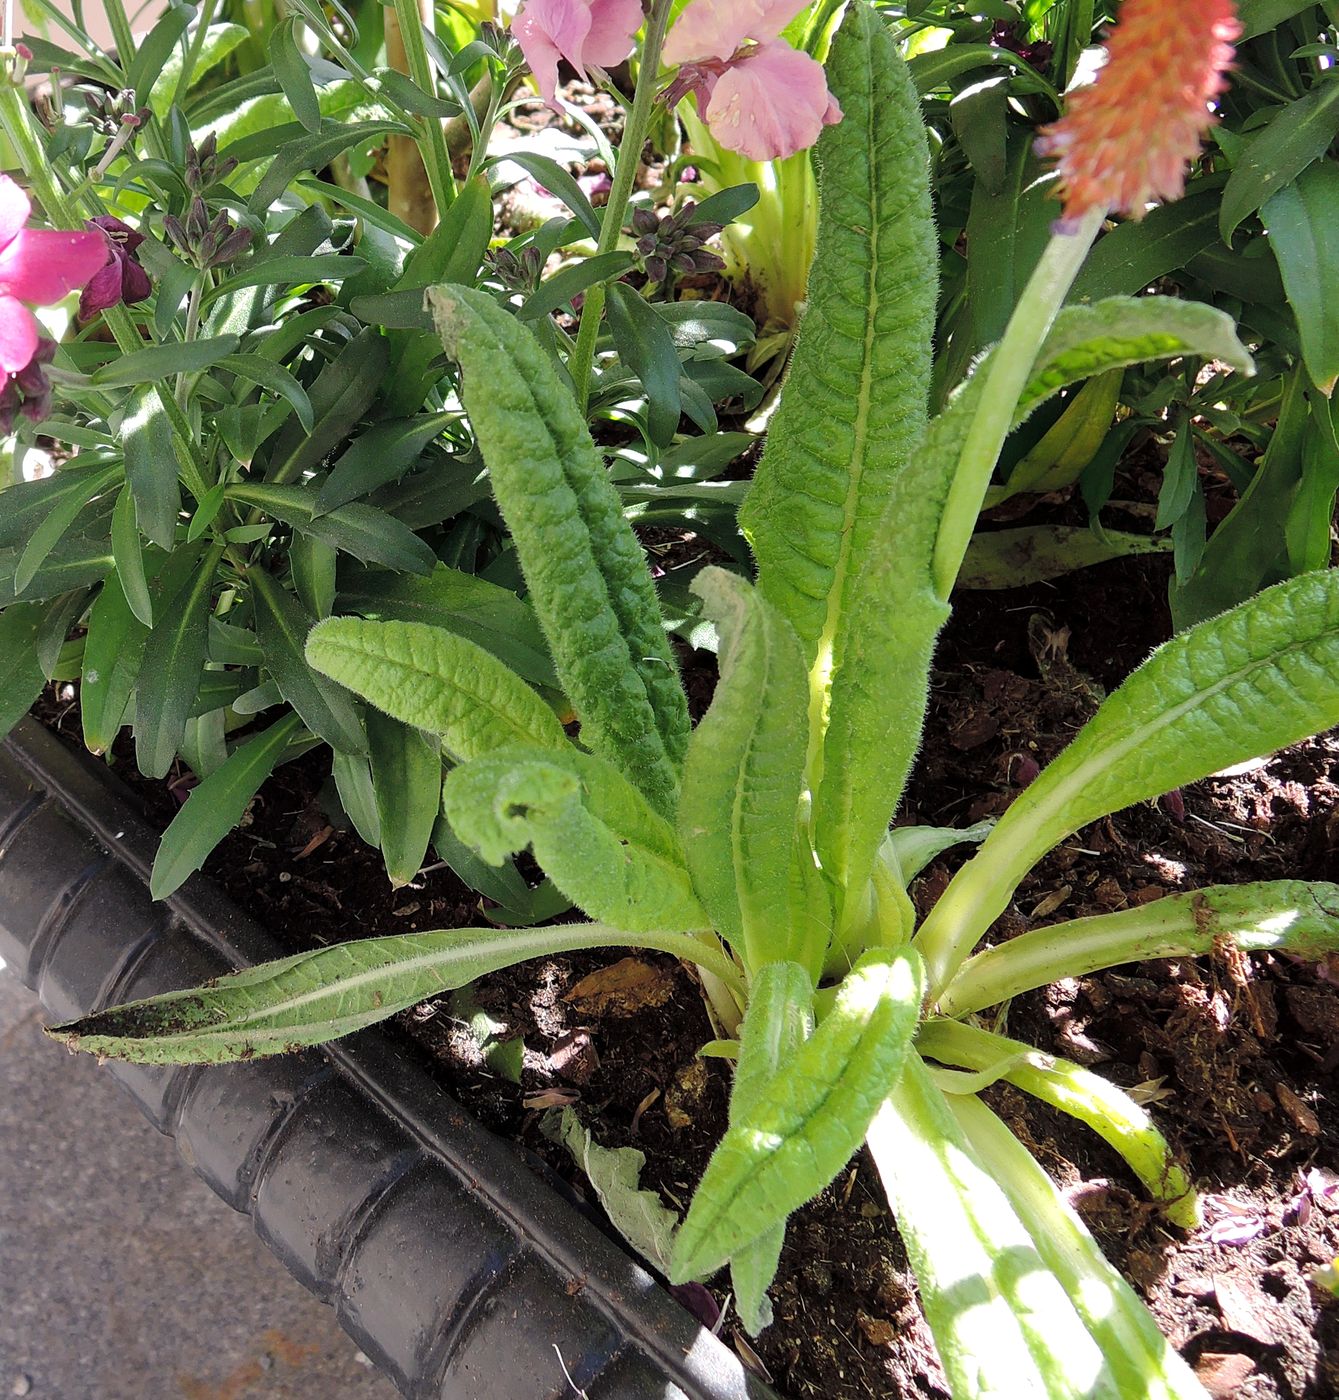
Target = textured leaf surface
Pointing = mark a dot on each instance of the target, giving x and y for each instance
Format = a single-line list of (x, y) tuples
[(588, 579), (790, 1142), (874, 725), (739, 808), (595, 835), (436, 680), (1002, 1324), (854, 404), (310, 998), (779, 1020), (1244, 684)]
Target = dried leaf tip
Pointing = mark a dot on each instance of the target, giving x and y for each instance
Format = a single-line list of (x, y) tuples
[(1127, 139)]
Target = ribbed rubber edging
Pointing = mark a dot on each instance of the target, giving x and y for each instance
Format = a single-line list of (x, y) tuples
[(459, 1272)]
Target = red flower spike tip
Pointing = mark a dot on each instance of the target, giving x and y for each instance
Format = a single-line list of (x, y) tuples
[(1126, 140)]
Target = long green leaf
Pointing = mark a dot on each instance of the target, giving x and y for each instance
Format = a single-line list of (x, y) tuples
[(384, 452), (113, 650), (589, 583), (130, 557), (800, 1131), (1244, 684), (437, 681), (215, 806), (174, 657), (1303, 224), (21, 678), (56, 522), (310, 998), (780, 1018), (282, 626), (161, 361), (1002, 1323), (854, 404), (1140, 1359), (740, 806), (594, 834), (407, 781)]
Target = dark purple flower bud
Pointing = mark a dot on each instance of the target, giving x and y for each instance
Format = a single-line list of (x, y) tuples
[(121, 279), (28, 391), (657, 269), (232, 247), (172, 227), (197, 220), (644, 222)]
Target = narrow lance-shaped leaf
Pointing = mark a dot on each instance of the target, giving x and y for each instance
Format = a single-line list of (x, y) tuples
[(431, 678), (130, 557), (215, 806), (595, 835), (779, 1020), (21, 677), (1141, 1360), (874, 728), (1244, 684), (854, 404), (313, 997), (282, 625), (740, 805), (794, 1138), (1001, 1321), (588, 579), (407, 781)]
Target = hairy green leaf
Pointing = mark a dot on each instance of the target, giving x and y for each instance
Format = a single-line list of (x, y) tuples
[(740, 805), (310, 998), (1002, 1323), (1241, 685), (436, 680), (595, 835), (793, 1139), (854, 404), (588, 579)]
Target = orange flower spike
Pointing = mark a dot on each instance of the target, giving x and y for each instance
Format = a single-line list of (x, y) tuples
[(1127, 139)]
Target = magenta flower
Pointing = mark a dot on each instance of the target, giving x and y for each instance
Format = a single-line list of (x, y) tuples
[(757, 95), (38, 266), (587, 33), (121, 278)]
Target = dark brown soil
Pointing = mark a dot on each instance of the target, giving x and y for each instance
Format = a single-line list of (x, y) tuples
[(1241, 1062)]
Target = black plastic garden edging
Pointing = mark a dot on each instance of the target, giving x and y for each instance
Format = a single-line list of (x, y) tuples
[(456, 1269)]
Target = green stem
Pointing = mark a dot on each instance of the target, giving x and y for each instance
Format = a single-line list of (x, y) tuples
[(194, 50), (1279, 914), (436, 159), (1006, 378), (625, 175)]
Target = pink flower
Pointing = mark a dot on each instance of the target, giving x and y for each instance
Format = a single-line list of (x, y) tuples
[(597, 33), (758, 95), (38, 266)]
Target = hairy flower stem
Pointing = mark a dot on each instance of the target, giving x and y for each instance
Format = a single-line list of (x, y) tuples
[(1006, 377), (615, 211)]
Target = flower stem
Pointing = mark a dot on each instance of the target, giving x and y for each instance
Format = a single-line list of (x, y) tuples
[(1006, 377), (436, 159), (615, 210)]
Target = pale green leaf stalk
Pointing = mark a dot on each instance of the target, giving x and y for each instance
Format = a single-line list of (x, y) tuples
[(1244, 684), (437, 681), (1002, 1323), (797, 1135), (310, 998), (1142, 1362), (598, 838), (780, 1019), (1106, 1109), (587, 574), (1293, 916), (740, 805)]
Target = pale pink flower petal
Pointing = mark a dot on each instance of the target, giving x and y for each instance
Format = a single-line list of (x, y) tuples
[(18, 335), (581, 31), (613, 31), (771, 104), (716, 28), (14, 210), (43, 265)]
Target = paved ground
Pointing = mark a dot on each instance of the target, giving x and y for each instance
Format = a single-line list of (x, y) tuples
[(122, 1276)]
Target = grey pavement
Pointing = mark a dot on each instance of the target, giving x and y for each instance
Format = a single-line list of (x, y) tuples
[(122, 1276)]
